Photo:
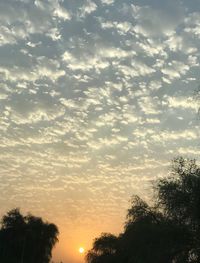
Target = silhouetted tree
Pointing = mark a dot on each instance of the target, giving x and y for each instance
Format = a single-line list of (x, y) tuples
[(149, 236), (179, 198), (168, 232), (103, 250), (26, 239)]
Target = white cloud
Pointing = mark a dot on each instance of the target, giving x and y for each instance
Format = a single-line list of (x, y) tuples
[(175, 42), (85, 63), (62, 13), (121, 27), (193, 61), (54, 8), (107, 2), (18, 22), (183, 102), (45, 68), (151, 48), (189, 151), (192, 23), (113, 53), (136, 69), (149, 105), (36, 116), (175, 69), (88, 8), (169, 136), (54, 34)]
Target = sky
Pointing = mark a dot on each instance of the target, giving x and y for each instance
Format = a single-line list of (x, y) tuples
[(96, 98)]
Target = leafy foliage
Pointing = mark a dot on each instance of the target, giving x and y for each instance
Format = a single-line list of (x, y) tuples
[(104, 249), (168, 232), (26, 239)]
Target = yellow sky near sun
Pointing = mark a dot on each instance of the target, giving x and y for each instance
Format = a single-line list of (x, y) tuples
[(71, 239)]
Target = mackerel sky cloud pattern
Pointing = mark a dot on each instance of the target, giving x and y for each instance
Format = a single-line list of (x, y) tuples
[(96, 98)]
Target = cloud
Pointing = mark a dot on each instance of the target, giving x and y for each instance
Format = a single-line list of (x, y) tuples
[(86, 63), (54, 8), (192, 24), (183, 103), (88, 8), (107, 2), (35, 116), (155, 20), (62, 13), (121, 27), (151, 48), (95, 96), (149, 105), (176, 135), (175, 69), (189, 151), (136, 69), (21, 20)]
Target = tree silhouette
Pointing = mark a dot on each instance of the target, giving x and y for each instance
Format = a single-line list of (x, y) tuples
[(168, 232), (149, 236), (179, 197), (104, 249), (26, 239)]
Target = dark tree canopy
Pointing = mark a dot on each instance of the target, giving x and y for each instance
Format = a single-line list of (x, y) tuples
[(168, 232), (104, 249), (179, 197), (26, 239)]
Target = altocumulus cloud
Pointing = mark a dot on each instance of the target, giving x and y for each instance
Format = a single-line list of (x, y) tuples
[(95, 99)]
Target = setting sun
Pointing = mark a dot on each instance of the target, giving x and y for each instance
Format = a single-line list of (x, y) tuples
[(81, 250)]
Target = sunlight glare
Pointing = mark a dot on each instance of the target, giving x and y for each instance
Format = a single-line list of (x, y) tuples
[(81, 250)]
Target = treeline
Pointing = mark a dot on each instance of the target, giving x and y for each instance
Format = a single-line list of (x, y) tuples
[(167, 232), (26, 239)]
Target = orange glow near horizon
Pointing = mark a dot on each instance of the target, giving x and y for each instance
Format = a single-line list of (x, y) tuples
[(81, 235)]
